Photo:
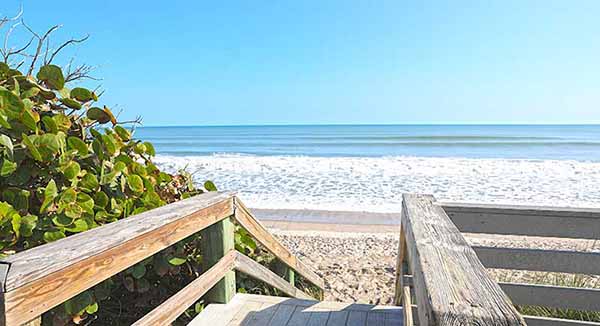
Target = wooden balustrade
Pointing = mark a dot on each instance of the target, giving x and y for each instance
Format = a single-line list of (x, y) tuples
[(571, 223), (451, 286), (36, 280)]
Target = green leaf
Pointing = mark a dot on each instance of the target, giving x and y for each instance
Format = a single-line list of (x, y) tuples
[(135, 183), (79, 145), (31, 147), (71, 103), (49, 194), (28, 223), (210, 186), (100, 199), (123, 133), (50, 124), (50, 236), (4, 121), (150, 149), (176, 261), (98, 114), (81, 94), (7, 142), (61, 220), (68, 196), (71, 170), (29, 120), (138, 271), (78, 304), (89, 182), (79, 225), (7, 168), (48, 144), (52, 76), (11, 104), (92, 309), (73, 211)]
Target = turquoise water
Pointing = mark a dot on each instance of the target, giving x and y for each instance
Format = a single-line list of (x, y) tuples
[(577, 142)]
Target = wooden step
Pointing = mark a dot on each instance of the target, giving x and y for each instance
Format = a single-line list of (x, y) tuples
[(258, 310)]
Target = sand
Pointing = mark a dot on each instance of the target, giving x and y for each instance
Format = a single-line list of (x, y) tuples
[(359, 266)]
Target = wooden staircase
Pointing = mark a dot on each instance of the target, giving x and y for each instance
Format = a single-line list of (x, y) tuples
[(259, 310), (440, 279)]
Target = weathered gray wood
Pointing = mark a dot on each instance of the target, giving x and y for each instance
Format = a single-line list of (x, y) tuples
[(401, 268), (282, 315), (299, 317), (216, 241), (545, 321), (337, 318), (267, 240), (407, 306), (525, 220), (169, 310), (260, 272), (43, 277), (553, 296), (451, 285), (544, 260), (375, 318), (357, 318)]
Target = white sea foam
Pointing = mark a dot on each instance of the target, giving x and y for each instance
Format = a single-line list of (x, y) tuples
[(376, 183)]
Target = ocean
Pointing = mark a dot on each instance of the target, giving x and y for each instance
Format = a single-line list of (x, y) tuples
[(368, 167)]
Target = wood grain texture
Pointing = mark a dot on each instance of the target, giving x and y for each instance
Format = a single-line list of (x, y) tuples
[(451, 285), (267, 240), (216, 241), (553, 296), (43, 277), (543, 260), (260, 272), (525, 220), (407, 306), (400, 268), (169, 310)]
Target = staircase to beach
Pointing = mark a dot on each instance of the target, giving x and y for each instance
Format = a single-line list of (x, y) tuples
[(440, 278)]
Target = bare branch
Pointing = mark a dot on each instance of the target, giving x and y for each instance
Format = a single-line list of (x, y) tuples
[(71, 41), (41, 40), (80, 72), (5, 19)]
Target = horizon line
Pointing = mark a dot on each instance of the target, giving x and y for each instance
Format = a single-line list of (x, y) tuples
[(370, 125)]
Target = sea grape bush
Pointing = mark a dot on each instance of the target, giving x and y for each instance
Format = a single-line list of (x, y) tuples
[(66, 166)]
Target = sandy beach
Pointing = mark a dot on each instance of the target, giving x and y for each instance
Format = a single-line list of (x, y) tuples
[(357, 262)]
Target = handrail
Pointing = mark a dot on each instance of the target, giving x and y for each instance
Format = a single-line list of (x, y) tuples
[(451, 286), (36, 280), (266, 239), (169, 310)]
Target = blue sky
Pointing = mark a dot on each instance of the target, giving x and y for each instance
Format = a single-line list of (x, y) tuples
[(305, 62)]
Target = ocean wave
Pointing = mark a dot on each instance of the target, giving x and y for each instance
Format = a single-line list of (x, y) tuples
[(377, 183)]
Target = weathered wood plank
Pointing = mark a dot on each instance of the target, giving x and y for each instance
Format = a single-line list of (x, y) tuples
[(356, 318), (216, 241), (267, 240), (258, 271), (401, 268), (43, 277), (545, 321), (338, 318), (169, 310), (525, 220), (407, 306), (553, 296), (544, 260), (451, 285), (282, 315)]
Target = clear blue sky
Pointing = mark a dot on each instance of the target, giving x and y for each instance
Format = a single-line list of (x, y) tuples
[(304, 62)]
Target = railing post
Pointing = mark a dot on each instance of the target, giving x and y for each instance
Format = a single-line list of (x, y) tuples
[(216, 241), (285, 272)]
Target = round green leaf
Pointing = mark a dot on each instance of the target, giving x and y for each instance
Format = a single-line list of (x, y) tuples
[(52, 75), (98, 114), (210, 186), (50, 236), (81, 94), (135, 183), (77, 144), (71, 103)]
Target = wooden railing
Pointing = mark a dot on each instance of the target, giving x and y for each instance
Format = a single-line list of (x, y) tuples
[(36, 280), (544, 222), (450, 285)]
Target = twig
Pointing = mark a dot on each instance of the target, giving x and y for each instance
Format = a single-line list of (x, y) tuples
[(71, 41)]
